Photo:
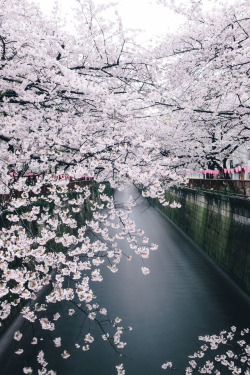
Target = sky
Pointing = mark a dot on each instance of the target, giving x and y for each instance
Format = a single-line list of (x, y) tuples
[(145, 15)]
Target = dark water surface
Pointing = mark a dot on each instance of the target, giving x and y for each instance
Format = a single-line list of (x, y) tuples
[(184, 296)]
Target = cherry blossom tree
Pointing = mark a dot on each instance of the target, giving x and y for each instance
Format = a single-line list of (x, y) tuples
[(205, 83), (71, 106)]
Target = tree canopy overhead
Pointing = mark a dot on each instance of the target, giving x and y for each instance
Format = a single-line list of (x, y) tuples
[(205, 75)]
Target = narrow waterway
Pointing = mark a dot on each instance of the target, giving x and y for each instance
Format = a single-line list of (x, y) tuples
[(184, 296)]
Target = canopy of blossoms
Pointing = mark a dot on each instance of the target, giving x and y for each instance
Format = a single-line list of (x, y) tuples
[(96, 105)]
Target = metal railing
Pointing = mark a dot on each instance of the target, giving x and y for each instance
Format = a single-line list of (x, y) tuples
[(228, 187)]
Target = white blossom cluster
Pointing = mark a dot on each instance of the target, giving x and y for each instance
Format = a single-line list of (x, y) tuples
[(226, 353)]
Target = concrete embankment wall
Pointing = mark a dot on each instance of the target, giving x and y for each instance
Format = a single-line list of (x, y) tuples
[(220, 225)]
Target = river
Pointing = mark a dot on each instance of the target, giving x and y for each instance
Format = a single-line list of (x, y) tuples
[(184, 296)]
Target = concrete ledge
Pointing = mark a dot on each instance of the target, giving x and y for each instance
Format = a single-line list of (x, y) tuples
[(220, 225)]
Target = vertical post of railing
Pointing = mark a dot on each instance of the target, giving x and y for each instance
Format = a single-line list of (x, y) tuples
[(244, 188)]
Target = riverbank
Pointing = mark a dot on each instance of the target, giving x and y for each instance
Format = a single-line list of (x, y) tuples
[(220, 225)]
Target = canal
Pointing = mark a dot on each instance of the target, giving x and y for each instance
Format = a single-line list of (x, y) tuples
[(184, 296)]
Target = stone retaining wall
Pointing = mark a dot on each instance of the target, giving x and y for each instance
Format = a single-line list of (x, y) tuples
[(220, 225)]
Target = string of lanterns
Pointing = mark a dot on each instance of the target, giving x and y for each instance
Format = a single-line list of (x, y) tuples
[(216, 171)]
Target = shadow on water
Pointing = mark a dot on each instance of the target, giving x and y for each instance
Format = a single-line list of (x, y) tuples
[(184, 296)]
